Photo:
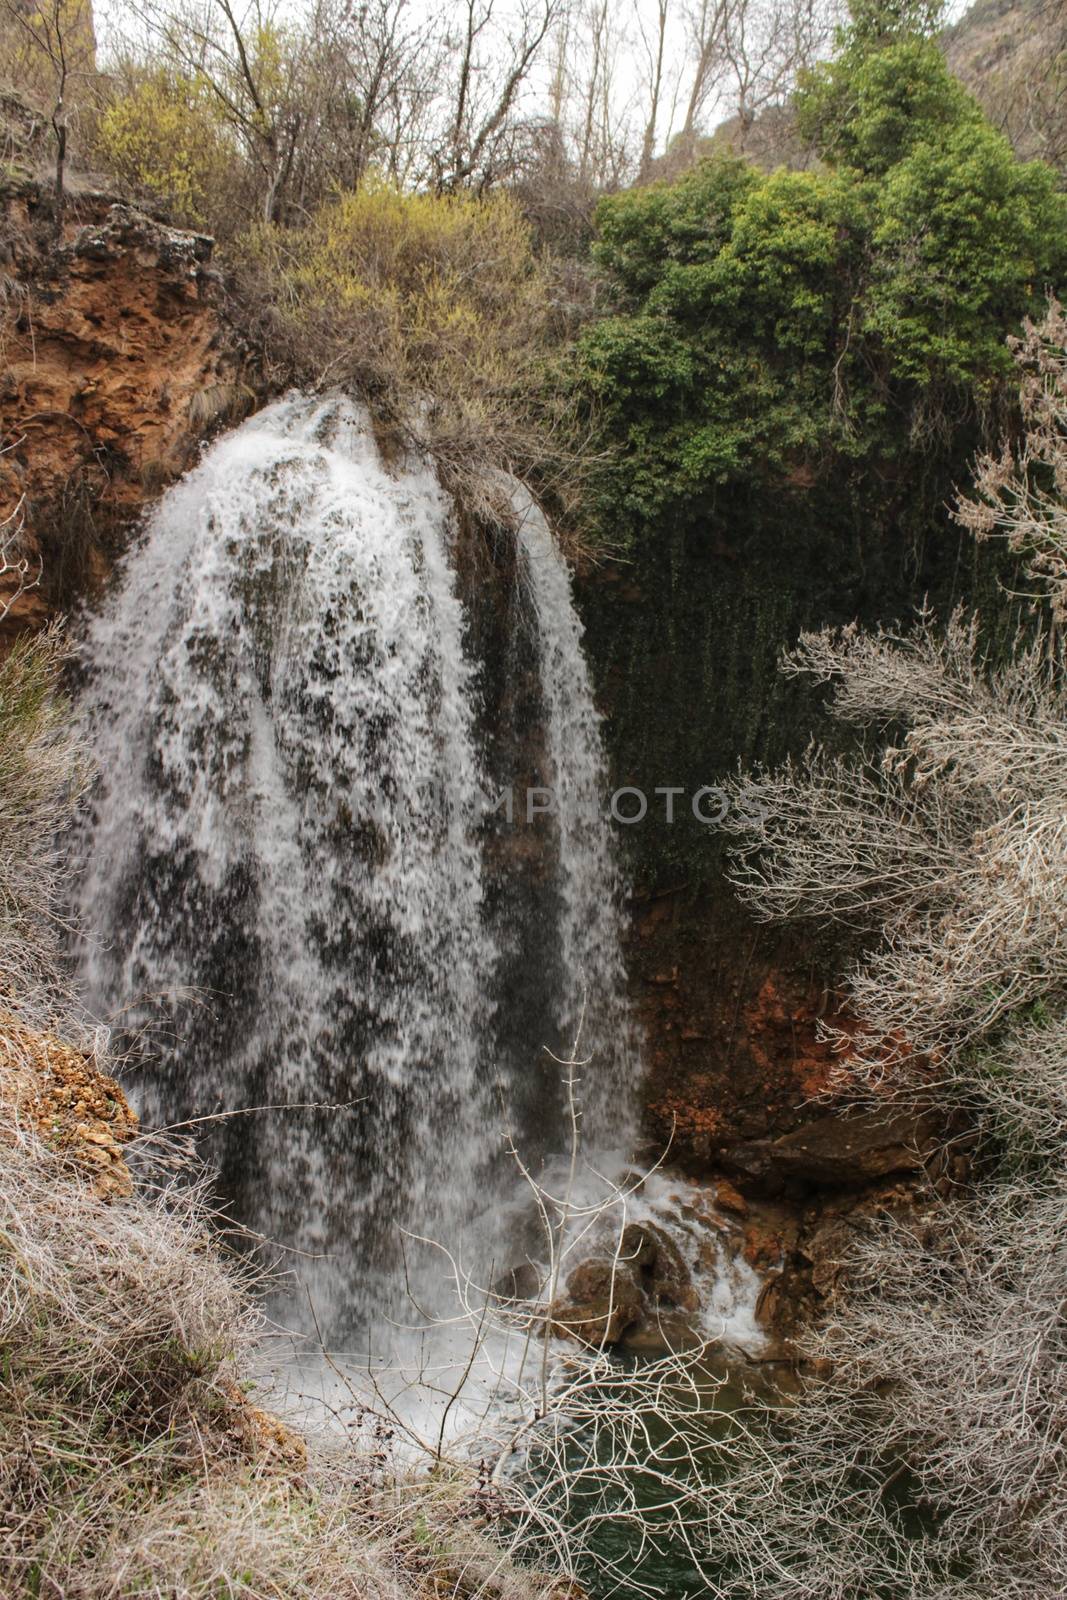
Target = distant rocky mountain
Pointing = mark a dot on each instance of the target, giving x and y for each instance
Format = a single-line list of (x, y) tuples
[(1012, 54)]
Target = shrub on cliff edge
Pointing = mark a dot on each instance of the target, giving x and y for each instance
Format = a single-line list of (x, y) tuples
[(160, 134), (844, 325), (436, 310)]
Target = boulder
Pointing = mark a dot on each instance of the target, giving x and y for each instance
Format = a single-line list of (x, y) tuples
[(730, 1199), (843, 1150), (603, 1300), (659, 1266), (827, 1248)]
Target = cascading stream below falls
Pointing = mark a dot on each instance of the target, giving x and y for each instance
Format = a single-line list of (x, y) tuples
[(296, 882)]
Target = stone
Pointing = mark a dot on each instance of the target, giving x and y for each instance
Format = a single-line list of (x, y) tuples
[(80, 1111), (728, 1198), (827, 1248), (603, 1300), (843, 1150), (659, 1266)]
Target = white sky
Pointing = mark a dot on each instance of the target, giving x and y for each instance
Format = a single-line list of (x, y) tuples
[(629, 58)]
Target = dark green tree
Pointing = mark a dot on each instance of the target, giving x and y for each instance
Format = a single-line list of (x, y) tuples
[(769, 328)]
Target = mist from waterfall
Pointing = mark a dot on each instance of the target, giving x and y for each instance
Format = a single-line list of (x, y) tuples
[(296, 886)]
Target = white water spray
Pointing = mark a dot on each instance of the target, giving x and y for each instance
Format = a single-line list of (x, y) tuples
[(591, 920), (286, 869)]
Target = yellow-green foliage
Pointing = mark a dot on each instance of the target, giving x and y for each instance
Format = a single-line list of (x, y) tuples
[(435, 308), (163, 134), (36, 38)]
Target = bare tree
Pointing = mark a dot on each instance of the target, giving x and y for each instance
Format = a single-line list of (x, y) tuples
[(58, 50), (766, 43), (654, 46), (594, 87), (706, 22), (383, 67), (270, 79), (1018, 75), (477, 145)]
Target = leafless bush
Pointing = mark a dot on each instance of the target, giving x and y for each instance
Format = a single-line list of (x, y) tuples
[(950, 840), (1016, 1088), (1022, 494), (926, 1457)]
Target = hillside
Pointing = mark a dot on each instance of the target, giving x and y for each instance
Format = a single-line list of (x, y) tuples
[(1012, 54)]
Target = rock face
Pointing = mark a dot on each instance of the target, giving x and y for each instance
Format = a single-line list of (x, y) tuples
[(117, 359), (731, 1010)]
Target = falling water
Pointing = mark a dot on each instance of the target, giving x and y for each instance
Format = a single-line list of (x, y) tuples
[(286, 882), (590, 924)]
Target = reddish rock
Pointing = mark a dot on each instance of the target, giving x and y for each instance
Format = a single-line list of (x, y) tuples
[(117, 360), (729, 1198), (603, 1300), (732, 1013), (79, 1111)]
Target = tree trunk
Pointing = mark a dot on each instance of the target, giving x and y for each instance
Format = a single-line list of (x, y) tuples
[(59, 127)]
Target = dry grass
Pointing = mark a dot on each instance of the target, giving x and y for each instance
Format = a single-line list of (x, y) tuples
[(119, 1327), (132, 1463)]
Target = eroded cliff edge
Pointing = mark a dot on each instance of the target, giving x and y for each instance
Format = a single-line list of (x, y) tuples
[(118, 358)]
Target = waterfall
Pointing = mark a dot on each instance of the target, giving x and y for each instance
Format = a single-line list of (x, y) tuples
[(590, 924), (289, 893)]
